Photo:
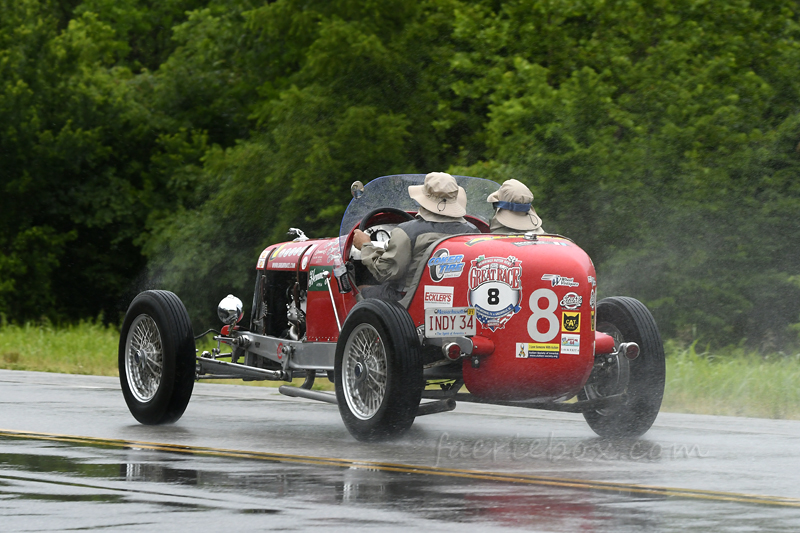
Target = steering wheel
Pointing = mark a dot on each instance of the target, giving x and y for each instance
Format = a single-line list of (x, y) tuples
[(393, 210)]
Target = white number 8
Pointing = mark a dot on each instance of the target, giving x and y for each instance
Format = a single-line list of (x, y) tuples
[(546, 314)]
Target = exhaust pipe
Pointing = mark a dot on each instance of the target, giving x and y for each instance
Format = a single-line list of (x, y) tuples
[(629, 350)]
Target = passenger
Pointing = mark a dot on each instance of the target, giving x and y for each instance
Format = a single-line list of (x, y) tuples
[(513, 210), (441, 213)]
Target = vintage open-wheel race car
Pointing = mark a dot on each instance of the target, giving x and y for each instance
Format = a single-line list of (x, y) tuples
[(500, 319)]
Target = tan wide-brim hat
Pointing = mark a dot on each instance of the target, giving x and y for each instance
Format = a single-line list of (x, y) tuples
[(512, 202), (440, 194)]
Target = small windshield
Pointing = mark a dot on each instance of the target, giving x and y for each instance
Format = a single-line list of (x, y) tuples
[(392, 191)]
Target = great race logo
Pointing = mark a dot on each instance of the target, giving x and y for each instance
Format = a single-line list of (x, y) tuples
[(495, 289)]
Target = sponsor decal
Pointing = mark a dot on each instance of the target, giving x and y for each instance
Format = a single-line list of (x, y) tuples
[(570, 344), (316, 278), (495, 289), (537, 350), (438, 296), (486, 238), (540, 240), (593, 299), (592, 281), (559, 281), (290, 251), (571, 322), (443, 265), (307, 257), (262, 259), (592, 319), (276, 251), (571, 301), (283, 265)]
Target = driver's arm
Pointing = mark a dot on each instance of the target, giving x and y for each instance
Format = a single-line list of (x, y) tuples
[(392, 263), (360, 239)]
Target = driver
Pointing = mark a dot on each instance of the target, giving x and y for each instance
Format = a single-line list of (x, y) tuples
[(441, 213), (513, 210)]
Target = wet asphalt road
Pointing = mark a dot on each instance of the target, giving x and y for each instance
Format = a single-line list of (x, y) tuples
[(477, 468)]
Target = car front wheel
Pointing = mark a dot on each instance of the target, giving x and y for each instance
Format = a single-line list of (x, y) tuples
[(156, 358), (378, 371)]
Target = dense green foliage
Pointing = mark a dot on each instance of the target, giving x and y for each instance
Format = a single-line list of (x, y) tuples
[(163, 144)]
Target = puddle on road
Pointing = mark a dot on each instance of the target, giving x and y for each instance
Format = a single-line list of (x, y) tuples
[(64, 486)]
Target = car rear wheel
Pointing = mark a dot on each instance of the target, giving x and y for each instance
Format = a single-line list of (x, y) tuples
[(156, 358), (378, 371), (642, 380)]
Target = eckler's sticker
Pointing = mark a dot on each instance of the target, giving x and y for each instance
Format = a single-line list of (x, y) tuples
[(495, 289), (571, 322), (559, 281), (537, 350), (436, 296), (571, 301), (443, 265), (570, 344)]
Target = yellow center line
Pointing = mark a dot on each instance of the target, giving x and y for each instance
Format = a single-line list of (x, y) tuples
[(507, 477)]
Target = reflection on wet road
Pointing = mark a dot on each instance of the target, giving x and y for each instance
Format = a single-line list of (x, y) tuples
[(72, 457), (52, 486)]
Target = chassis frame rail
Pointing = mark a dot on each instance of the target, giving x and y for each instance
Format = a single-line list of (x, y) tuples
[(574, 407)]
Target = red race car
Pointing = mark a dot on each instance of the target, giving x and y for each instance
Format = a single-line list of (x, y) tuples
[(500, 319)]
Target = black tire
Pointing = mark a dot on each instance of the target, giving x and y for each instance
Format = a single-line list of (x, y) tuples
[(156, 331), (628, 320), (372, 414)]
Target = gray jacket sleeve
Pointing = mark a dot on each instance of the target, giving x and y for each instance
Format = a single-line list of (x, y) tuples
[(390, 264)]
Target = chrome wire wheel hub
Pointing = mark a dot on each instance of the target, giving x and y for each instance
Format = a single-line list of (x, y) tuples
[(364, 371), (144, 356)]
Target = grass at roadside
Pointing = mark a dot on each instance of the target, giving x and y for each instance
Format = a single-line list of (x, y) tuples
[(86, 348), (737, 383)]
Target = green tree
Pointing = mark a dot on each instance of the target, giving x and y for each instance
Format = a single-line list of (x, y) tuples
[(75, 148)]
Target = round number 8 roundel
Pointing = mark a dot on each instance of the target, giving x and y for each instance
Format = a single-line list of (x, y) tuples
[(494, 298), (539, 314)]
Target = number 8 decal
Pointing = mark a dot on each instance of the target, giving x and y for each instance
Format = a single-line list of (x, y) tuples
[(543, 314)]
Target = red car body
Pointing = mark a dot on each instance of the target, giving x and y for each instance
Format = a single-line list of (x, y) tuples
[(513, 319)]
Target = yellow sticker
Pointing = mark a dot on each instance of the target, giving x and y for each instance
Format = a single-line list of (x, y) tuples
[(571, 322)]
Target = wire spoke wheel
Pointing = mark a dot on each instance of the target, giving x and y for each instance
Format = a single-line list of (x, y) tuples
[(378, 370), (364, 375), (144, 354), (156, 357)]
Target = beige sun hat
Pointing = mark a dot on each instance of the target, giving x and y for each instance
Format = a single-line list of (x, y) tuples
[(440, 194), (512, 202)]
